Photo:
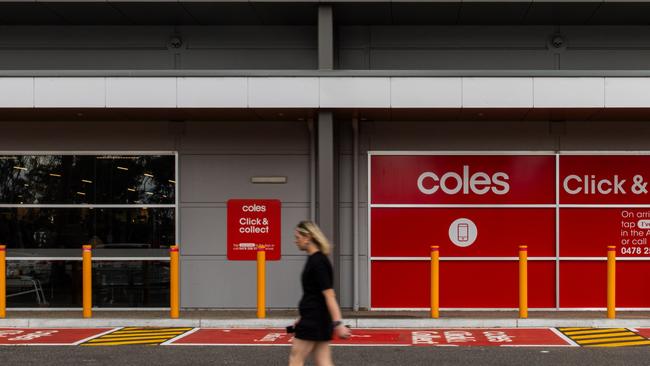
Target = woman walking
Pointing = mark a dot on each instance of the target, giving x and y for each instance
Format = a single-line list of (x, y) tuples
[(320, 315)]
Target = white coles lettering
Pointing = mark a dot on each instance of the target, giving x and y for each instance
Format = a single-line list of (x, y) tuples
[(254, 208), (452, 183)]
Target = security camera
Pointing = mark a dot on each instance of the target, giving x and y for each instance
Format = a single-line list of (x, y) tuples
[(557, 41), (175, 42)]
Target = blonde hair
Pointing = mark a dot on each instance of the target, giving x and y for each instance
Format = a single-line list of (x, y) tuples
[(311, 229)]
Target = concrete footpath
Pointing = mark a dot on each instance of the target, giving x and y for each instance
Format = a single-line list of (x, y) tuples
[(359, 319)]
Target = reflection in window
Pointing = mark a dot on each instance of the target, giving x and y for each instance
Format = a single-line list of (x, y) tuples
[(33, 284), (108, 228), (87, 179)]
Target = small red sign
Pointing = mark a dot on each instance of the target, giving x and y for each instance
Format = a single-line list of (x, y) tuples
[(48, 336), (384, 337), (251, 224)]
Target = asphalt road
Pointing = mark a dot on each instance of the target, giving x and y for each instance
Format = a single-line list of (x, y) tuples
[(258, 356)]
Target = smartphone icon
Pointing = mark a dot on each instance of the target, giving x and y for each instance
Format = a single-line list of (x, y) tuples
[(463, 232)]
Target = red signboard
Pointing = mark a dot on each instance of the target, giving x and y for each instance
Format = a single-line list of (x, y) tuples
[(384, 337), (47, 336), (479, 208), (409, 232), (458, 179), (610, 179), (252, 223)]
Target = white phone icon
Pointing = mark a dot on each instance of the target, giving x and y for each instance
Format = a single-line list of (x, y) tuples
[(463, 232)]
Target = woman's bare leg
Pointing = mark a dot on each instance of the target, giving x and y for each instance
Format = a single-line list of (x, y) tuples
[(322, 354), (299, 351)]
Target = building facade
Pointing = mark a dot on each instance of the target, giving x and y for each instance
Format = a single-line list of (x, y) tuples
[(129, 126)]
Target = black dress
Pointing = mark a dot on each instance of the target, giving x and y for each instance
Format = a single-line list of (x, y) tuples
[(315, 321)]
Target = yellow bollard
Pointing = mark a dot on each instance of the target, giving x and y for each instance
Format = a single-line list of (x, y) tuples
[(435, 282), (611, 282), (174, 293), (261, 282), (87, 270), (523, 281), (3, 282)]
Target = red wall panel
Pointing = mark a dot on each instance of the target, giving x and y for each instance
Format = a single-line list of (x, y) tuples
[(463, 284)]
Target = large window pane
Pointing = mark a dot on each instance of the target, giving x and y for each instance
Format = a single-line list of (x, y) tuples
[(131, 284), (104, 228), (33, 284), (87, 179)]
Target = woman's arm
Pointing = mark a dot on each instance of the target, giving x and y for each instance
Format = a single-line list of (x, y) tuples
[(335, 313)]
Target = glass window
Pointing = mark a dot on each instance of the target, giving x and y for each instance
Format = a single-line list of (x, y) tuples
[(33, 284), (123, 205), (131, 284), (87, 179), (70, 228)]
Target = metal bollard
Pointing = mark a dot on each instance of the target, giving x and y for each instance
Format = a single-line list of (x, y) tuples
[(87, 271), (3, 281), (523, 281), (174, 290), (435, 282), (611, 282), (261, 282)]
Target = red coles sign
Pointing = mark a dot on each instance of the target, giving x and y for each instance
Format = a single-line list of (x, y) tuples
[(478, 208), (252, 223)]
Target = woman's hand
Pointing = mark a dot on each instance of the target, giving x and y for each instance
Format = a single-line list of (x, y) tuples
[(342, 331)]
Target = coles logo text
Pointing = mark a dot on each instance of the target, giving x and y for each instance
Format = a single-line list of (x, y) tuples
[(464, 182)]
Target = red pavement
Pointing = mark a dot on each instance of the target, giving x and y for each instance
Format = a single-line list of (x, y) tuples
[(384, 337), (48, 336)]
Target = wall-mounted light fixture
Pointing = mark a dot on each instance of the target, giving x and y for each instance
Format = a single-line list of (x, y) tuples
[(269, 180)]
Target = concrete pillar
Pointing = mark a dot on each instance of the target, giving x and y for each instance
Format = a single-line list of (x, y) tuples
[(327, 181), (325, 38)]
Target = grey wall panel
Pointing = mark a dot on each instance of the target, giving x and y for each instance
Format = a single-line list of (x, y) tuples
[(460, 36), (421, 59), (606, 37), (250, 59), (353, 36), (204, 230), (216, 282), (219, 178), (246, 137), (353, 59), (86, 59), (84, 37), (344, 241), (596, 136), (508, 135), (345, 177), (251, 37), (605, 59), (102, 136), (345, 294)]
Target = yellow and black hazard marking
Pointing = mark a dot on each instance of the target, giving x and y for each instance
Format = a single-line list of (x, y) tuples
[(605, 337), (133, 335)]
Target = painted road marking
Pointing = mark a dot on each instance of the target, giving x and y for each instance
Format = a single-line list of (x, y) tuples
[(134, 335), (519, 337), (605, 337), (48, 336)]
